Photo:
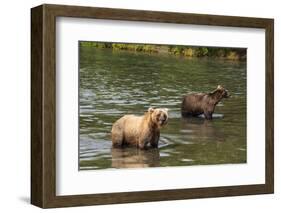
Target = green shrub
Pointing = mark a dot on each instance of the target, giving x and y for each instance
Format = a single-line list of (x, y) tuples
[(228, 53)]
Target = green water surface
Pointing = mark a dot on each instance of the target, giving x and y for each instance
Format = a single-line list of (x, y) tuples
[(115, 83)]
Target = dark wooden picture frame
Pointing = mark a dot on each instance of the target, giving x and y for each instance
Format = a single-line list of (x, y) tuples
[(43, 105)]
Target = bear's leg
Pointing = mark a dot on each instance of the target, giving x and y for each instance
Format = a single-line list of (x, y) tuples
[(117, 137), (208, 115), (142, 144), (154, 141), (117, 141), (154, 145)]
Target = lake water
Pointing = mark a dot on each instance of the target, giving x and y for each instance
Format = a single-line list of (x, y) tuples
[(115, 83)]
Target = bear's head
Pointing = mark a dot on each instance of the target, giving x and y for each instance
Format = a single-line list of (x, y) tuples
[(158, 116), (224, 93)]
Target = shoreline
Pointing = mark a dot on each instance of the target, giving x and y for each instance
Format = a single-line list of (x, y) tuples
[(234, 54)]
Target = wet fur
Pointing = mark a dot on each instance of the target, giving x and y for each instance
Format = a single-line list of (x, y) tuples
[(196, 104), (139, 131)]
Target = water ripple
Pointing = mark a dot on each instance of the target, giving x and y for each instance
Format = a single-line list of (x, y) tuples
[(113, 84)]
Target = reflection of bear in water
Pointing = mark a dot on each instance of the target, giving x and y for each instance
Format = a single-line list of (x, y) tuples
[(198, 103), (139, 130), (201, 130), (132, 157)]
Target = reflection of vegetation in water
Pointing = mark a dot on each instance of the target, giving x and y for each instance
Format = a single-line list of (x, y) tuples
[(187, 51), (115, 83)]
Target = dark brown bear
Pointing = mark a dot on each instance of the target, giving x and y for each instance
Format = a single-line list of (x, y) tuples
[(195, 104)]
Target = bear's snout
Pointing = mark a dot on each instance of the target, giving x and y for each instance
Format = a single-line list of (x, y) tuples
[(226, 94), (163, 119)]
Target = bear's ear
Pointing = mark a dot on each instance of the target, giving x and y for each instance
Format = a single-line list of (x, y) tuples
[(150, 110), (219, 87)]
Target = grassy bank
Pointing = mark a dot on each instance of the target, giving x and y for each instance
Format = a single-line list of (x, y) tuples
[(185, 51)]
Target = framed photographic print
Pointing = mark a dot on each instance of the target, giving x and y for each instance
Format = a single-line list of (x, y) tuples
[(136, 106)]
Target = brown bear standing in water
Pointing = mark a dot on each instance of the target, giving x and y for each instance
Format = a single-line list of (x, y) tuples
[(139, 130), (195, 104)]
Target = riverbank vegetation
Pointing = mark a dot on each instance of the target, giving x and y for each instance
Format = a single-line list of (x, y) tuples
[(179, 50)]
